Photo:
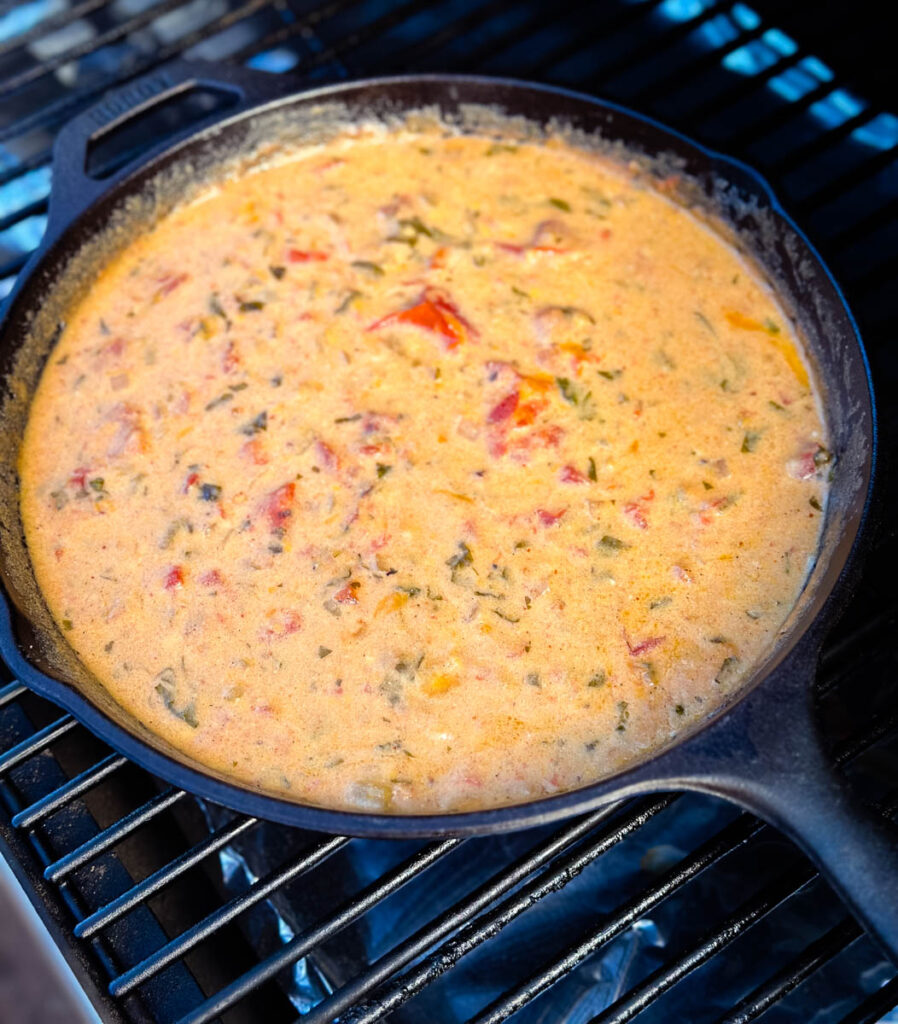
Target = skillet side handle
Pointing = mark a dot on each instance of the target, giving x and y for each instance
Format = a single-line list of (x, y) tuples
[(74, 188), (768, 757)]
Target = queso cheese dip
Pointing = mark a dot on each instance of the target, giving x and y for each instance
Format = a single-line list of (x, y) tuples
[(424, 472)]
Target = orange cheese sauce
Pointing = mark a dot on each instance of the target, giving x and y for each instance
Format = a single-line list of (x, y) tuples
[(419, 473)]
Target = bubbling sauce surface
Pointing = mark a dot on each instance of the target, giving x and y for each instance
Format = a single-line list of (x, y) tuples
[(420, 473)]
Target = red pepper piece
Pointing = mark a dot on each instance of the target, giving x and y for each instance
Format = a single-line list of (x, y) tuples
[(432, 312), (570, 475), (167, 284), (346, 595), (78, 478), (644, 645), (550, 518), (231, 359), (174, 578), (212, 578), (505, 409), (278, 506), (306, 256)]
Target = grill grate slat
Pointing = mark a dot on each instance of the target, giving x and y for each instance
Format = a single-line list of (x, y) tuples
[(89, 926), (127, 824), (74, 787), (175, 949), (794, 973), (752, 911), (816, 165)]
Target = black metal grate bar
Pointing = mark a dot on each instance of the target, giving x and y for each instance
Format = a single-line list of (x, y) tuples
[(52, 24), (89, 778), (659, 982), (876, 1006), (327, 929), (794, 973), (10, 692), (421, 941), (54, 113), (676, 79), (63, 867), (829, 139), (719, 846), (40, 69), (402, 987), (39, 206), (37, 743), (653, 46), (175, 949), (159, 879)]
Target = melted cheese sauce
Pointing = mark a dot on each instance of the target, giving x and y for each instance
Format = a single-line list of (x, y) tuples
[(422, 473)]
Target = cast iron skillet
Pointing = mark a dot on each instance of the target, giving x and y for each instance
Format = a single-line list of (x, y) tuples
[(762, 751)]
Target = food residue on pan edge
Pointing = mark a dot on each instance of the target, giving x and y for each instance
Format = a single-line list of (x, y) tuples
[(423, 473)]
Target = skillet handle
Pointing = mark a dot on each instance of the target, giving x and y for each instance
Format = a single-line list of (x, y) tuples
[(768, 757), (74, 188)]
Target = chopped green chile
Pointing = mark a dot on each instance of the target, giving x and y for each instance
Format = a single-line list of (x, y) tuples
[(417, 472)]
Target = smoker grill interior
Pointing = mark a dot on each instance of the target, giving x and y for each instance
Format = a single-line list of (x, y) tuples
[(670, 908)]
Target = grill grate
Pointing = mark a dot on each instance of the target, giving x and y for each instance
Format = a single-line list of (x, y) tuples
[(132, 876)]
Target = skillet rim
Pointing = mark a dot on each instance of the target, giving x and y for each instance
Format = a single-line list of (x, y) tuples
[(634, 779)]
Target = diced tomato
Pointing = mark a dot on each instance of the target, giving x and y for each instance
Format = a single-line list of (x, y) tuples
[(231, 359), (306, 256), (326, 455), (644, 645), (346, 595), (503, 411), (212, 578), (432, 312), (167, 284), (636, 511), (78, 479), (192, 479), (281, 622), (438, 260), (174, 578), (254, 450), (570, 475), (278, 506), (550, 518), (636, 514)]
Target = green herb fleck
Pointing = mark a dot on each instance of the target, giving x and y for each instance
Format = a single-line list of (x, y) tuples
[(680, 710), (256, 425), (771, 326), (67, 624), (166, 687), (323, 652), (560, 204), (610, 374), (750, 441), (532, 679), (776, 405), (591, 472), (814, 503), (277, 272), (577, 397), (461, 558), (382, 470), (729, 670), (623, 715), (253, 306), (348, 301), (598, 679), (707, 486), (705, 322), (226, 397), (611, 544), (367, 267), (97, 484)]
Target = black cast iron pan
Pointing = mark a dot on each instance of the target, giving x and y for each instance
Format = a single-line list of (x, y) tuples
[(762, 751)]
